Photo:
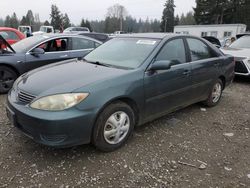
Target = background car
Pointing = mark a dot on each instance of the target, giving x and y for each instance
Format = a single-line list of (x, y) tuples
[(11, 35), (98, 36), (43, 30), (213, 40), (75, 30), (240, 49), (124, 83), (38, 51)]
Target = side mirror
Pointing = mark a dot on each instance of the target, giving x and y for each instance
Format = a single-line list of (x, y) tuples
[(37, 51), (164, 65)]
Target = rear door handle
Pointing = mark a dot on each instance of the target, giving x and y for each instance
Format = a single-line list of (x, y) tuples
[(186, 72), (216, 64), (63, 56)]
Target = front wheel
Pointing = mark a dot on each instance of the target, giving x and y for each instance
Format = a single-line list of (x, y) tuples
[(113, 127), (7, 79), (215, 94)]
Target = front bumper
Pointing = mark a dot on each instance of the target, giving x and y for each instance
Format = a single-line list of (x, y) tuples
[(58, 129)]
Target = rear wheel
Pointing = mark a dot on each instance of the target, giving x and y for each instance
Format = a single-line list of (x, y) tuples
[(215, 94), (113, 127), (7, 79)]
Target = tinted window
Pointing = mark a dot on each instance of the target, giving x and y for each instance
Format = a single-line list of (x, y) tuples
[(173, 50), (198, 49), (81, 43), (56, 45)]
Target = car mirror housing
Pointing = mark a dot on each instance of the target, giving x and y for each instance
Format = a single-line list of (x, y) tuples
[(37, 51), (163, 64)]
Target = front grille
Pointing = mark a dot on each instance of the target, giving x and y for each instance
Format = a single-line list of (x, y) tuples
[(24, 97), (240, 67)]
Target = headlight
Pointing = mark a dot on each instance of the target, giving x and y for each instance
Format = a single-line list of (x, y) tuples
[(59, 102)]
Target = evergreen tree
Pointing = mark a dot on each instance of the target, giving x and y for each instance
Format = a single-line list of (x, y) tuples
[(46, 23), (56, 17), (168, 19), (1, 22), (14, 23), (176, 20), (187, 19), (30, 18), (202, 12), (7, 21), (66, 21), (23, 21)]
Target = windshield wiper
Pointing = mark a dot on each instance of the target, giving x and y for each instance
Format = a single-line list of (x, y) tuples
[(97, 63)]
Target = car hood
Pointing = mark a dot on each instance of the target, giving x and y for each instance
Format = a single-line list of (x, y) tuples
[(237, 52), (64, 77)]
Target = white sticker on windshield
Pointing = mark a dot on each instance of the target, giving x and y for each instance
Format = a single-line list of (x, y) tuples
[(147, 42)]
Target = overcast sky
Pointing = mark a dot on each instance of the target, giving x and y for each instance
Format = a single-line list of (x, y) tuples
[(91, 9)]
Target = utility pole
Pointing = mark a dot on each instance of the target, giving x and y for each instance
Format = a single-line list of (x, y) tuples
[(165, 27)]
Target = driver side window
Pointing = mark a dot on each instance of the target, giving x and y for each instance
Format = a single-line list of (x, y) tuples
[(56, 45), (173, 50)]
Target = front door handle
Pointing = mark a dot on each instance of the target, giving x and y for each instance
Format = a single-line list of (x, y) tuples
[(63, 56)]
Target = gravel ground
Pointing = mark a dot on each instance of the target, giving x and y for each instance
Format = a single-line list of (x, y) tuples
[(194, 147)]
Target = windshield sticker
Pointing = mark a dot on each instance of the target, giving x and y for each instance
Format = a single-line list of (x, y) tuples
[(147, 42)]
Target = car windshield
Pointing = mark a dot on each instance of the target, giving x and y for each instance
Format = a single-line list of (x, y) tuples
[(43, 29), (243, 42), (123, 52), (26, 44)]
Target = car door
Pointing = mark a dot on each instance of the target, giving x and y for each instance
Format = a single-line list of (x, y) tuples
[(205, 67), (82, 46), (166, 90), (55, 50)]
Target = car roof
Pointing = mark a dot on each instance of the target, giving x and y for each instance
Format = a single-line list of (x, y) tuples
[(48, 36), (7, 29), (36, 40), (148, 35)]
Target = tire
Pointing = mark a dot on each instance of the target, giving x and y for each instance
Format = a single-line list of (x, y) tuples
[(7, 79), (215, 94), (113, 127)]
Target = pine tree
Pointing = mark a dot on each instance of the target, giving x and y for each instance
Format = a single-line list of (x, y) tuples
[(23, 21), (187, 19), (46, 23), (30, 18), (14, 23), (56, 17), (202, 12), (168, 19), (1, 22), (7, 21), (66, 21)]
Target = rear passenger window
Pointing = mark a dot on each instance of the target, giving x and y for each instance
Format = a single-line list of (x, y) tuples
[(198, 49), (173, 50), (81, 44)]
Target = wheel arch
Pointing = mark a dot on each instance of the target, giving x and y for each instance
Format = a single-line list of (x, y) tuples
[(126, 100), (11, 67), (223, 79)]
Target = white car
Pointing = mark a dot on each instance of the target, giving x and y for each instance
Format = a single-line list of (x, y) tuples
[(76, 30), (44, 29), (240, 49)]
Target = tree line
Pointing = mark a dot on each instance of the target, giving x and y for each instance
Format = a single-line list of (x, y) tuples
[(117, 17)]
